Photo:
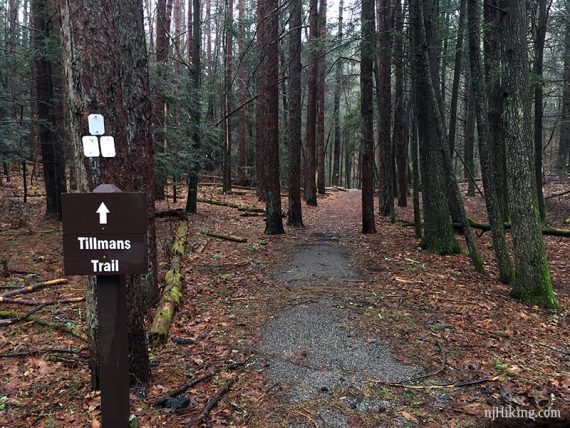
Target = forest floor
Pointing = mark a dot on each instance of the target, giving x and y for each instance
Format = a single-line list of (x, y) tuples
[(333, 328)]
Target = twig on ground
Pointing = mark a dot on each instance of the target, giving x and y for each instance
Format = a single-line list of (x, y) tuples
[(29, 313), (212, 402), (435, 373), (459, 384), (41, 351), (193, 382)]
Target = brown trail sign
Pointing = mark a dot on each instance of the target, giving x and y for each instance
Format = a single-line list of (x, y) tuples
[(104, 233)]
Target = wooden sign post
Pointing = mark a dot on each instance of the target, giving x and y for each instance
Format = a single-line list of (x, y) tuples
[(104, 235)]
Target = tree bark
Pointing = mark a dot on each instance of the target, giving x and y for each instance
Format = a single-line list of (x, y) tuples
[(493, 50), (310, 189), (336, 163), (456, 76), (295, 217), (270, 95), (367, 110), (242, 125), (91, 52), (486, 155), (532, 282), (320, 116), (50, 131), (563, 159), (386, 170), (260, 136), (538, 67), (159, 102), (228, 99), (400, 134), (438, 233), (469, 139), (195, 108)]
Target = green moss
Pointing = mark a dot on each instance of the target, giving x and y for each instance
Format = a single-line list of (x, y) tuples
[(540, 293), (441, 245)]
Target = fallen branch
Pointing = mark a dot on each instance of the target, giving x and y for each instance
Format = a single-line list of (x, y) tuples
[(172, 291), (193, 382), (30, 313), (212, 402), (18, 315), (32, 288), (555, 195), (435, 373), (459, 384), (225, 236), (160, 401), (551, 231), (41, 351), (42, 302)]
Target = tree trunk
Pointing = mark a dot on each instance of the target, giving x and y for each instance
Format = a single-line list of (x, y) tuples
[(138, 110), (469, 140), (438, 233), (485, 154), (50, 136), (295, 217), (386, 176), (456, 76), (310, 189), (320, 116), (259, 103), (400, 135), (367, 110), (538, 66), (270, 95), (89, 52), (532, 278), (159, 102), (228, 99), (242, 126), (563, 159), (336, 163), (493, 49), (195, 109)]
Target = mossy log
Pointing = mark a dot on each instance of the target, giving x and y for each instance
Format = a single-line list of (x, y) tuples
[(551, 231), (240, 207), (225, 236), (19, 316), (172, 289)]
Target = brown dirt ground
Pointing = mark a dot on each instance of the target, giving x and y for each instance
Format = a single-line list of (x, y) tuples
[(434, 311)]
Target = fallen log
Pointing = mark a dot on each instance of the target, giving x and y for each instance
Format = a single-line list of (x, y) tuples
[(240, 207), (178, 213), (18, 316), (225, 236), (172, 290), (32, 288), (551, 231)]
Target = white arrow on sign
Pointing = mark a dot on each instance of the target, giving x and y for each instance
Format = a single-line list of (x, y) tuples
[(103, 211)]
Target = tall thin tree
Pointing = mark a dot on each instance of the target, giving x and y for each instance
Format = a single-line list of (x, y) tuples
[(294, 217), (367, 110)]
